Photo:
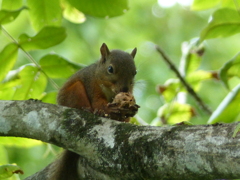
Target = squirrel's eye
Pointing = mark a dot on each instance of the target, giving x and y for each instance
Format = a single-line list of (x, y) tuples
[(110, 69)]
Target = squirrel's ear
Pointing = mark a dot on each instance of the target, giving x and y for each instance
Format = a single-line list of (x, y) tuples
[(133, 53), (104, 51)]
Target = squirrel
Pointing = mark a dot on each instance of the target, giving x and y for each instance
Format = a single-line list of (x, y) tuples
[(93, 88)]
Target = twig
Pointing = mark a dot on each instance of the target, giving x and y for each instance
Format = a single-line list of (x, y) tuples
[(186, 85), (29, 57)]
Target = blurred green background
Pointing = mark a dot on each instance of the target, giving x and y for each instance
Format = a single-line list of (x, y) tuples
[(146, 23)]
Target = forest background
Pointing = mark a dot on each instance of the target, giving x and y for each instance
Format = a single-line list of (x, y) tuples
[(36, 68)]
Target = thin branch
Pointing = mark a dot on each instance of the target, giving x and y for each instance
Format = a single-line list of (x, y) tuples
[(29, 57), (186, 85)]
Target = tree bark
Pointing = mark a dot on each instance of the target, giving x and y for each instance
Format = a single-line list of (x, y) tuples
[(115, 150)]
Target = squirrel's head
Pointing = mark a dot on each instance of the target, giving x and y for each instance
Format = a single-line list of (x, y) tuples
[(116, 71)]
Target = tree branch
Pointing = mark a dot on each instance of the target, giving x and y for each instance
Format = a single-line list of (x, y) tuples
[(115, 150), (185, 84)]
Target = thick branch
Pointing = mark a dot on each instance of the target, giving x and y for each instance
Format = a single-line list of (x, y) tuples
[(114, 150)]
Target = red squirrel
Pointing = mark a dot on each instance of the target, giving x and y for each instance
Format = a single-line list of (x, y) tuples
[(93, 88)]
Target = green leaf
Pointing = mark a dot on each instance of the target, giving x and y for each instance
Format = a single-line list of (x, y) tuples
[(8, 170), (57, 67), (225, 22), (7, 89), (4, 155), (195, 78), (9, 16), (103, 8), (175, 112), (47, 37), (230, 69), (193, 62), (170, 89), (201, 4), (45, 13), (72, 14), (8, 57), (50, 97), (137, 121), (33, 83), (8, 86), (173, 86), (11, 4), (191, 56), (228, 110), (19, 142), (230, 3)]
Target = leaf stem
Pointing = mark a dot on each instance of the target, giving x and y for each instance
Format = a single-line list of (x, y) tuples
[(185, 84), (30, 57)]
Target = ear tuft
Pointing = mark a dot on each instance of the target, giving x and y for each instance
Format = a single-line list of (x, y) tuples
[(104, 52), (133, 53)]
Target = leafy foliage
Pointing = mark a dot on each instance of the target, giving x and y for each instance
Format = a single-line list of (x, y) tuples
[(175, 113), (33, 83), (9, 16), (230, 69), (228, 109), (174, 93), (8, 58), (201, 5), (47, 37), (54, 66), (21, 142), (11, 4), (8, 170), (104, 8), (225, 22), (32, 62), (48, 15)]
